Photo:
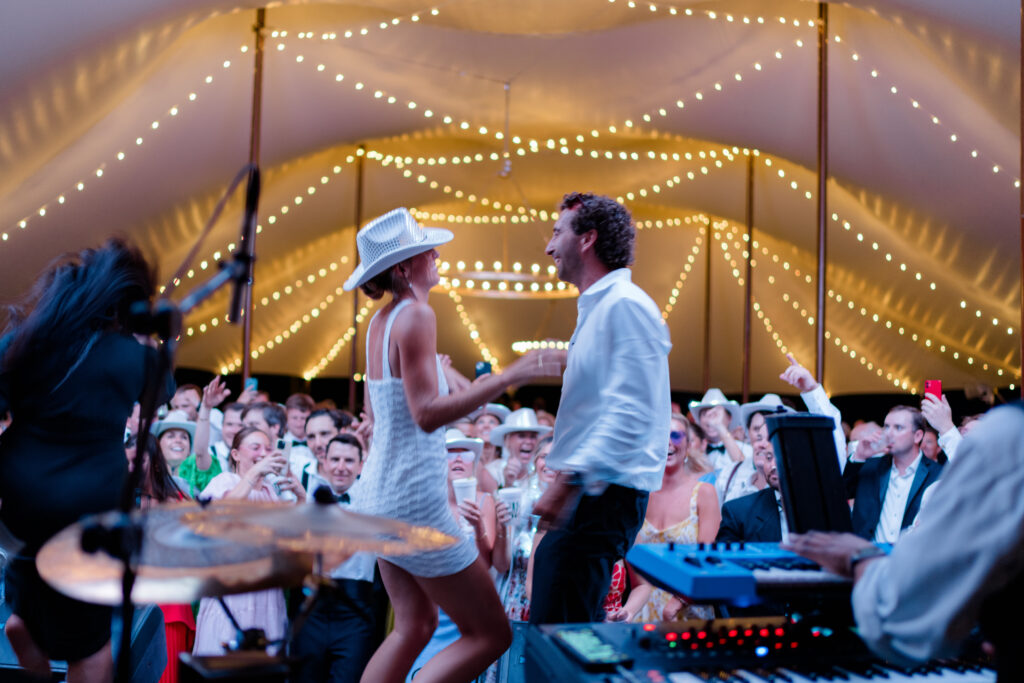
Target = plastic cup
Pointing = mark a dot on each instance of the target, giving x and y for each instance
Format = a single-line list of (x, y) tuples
[(512, 497), (465, 489)]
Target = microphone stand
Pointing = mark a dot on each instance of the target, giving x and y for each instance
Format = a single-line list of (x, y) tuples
[(123, 538)]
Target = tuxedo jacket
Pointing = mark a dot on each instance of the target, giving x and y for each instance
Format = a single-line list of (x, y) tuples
[(867, 483), (752, 518)]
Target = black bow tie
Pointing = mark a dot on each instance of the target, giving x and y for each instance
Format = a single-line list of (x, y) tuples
[(720, 447), (298, 443), (343, 498)]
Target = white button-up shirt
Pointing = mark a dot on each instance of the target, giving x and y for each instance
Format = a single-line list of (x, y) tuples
[(614, 417), (895, 503)]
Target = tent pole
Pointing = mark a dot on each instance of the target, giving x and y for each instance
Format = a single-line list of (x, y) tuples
[(254, 158), (749, 288), (819, 366), (361, 155), (1020, 330), (707, 306)]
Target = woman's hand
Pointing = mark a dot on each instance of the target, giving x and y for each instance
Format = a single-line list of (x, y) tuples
[(470, 511), (292, 483), (538, 363), (215, 393), (619, 614), (503, 514), (272, 464)]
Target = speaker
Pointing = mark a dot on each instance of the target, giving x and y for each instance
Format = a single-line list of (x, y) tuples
[(148, 657)]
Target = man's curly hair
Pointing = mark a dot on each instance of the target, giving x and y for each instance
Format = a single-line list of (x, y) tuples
[(616, 233)]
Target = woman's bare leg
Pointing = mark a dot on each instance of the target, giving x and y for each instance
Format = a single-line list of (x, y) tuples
[(30, 657), (96, 668), (415, 622), (469, 598)]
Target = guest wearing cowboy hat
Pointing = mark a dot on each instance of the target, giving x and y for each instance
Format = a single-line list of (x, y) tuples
[(486, 418), (517, 436), (410, 397), (718, 416), (186, 450), (743, 478)]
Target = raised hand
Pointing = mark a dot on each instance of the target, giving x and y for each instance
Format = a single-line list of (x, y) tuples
[(798, 376), (937, 412), (215, 393)]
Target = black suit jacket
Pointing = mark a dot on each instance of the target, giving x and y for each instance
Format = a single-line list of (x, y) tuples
[(867, 483), (752, 518)]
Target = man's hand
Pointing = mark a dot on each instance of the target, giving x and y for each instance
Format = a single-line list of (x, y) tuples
[(871, 443), (556, 503), (938, 413), (513, 470), (831, 550), (799, 376)]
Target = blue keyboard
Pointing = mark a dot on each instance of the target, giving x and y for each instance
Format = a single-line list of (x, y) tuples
[(738, 574)]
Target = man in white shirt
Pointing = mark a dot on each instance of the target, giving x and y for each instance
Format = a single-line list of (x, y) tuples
[(611, 434), (888, 490)]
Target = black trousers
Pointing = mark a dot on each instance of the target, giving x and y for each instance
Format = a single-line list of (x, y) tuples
[(338, 637), (573, 565)]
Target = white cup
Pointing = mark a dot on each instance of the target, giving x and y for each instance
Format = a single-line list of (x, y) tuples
[(512, 497), (465, 489)]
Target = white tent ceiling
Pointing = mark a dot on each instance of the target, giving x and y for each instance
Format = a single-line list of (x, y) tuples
[(146, 104)]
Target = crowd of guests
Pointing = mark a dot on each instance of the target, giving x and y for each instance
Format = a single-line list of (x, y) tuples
[(720, 483)]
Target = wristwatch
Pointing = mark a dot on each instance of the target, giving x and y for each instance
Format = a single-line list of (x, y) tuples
[(867, 553)]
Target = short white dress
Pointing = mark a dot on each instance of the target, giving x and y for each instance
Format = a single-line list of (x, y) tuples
[(406, 472)]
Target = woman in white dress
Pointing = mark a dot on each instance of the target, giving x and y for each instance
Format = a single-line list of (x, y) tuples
[(410, 399)]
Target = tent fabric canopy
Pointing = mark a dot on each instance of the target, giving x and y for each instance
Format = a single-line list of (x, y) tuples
[(131, 116)]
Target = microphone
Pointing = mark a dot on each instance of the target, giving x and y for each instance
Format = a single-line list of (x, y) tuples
[(245, 253)]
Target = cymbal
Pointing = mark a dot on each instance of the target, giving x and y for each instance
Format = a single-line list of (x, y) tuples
[(176, 565), (315, 528)]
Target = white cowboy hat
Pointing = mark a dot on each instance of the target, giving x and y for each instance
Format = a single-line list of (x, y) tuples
[(715, 397), (496, 409), (176, 419), (456, 440), (770, 403), (390, 239), (522, 420)]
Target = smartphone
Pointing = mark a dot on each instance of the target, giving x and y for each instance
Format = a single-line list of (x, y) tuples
[(252, 384), (281, 444), (933, 387), (483, 368)]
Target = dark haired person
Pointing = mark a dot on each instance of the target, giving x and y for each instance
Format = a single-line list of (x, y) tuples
[(409, 403), (337, 638), (887, 490), (322, 426), (70, 372), (612, 431)]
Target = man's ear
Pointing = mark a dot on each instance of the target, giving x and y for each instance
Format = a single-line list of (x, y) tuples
[(588, 240)]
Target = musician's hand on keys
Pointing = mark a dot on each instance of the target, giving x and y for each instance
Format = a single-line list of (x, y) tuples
[(831, 550)]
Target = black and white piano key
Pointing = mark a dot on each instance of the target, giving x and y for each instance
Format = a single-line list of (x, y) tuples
[(935, 673)]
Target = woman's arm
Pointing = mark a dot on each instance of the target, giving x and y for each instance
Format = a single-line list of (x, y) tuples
[(638, 597), (253, 479), (499, 553), (415, 333), (709, 515), (213, 394)]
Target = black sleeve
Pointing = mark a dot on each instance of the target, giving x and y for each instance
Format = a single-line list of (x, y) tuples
[(731, 529), (851, 476)]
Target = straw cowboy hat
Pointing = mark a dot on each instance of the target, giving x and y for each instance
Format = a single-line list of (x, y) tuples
[(715, 397), (390, 239), (522, 420), (770, 403), (176, 419), (496, 409), (454, 440)]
